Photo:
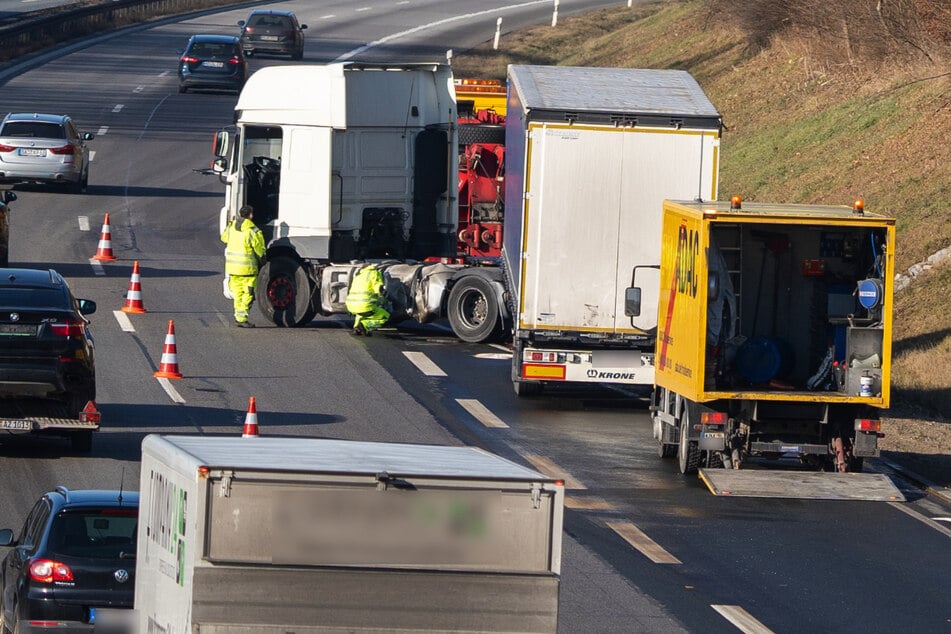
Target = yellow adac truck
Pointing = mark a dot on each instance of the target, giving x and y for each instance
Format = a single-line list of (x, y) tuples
[(774, 333)]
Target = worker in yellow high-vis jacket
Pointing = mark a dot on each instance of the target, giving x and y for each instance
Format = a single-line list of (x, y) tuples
[(243, 255), (365, 301)]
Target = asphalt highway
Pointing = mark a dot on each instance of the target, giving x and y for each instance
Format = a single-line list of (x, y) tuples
[(646, 550)]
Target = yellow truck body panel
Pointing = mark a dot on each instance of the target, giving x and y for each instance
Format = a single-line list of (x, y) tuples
[(799, 279)]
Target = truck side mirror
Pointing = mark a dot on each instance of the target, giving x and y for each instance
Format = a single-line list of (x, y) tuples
[(219, 165), (713, 286), (222, 143), (632, 301)]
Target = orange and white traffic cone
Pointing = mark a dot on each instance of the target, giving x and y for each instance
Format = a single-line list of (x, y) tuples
[(133, 299), (168, 368), (104, 252), (251, 421)]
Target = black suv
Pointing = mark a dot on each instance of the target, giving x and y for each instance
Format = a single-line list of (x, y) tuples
[(47, 362), (73, 563), (272, 32)]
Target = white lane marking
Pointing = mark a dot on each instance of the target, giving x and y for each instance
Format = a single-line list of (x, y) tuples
[(499, 346), (493, 355), (165, 73), (171, 391), (941, 519), (92, 155), (102, 130), (402, 2), (118, 107), (743, 620), (927, 521), (138, 89), (588, 504), (481, 413), (639, 540), (123, 320), (552, 470), (97, 267), (83, 223), (424, 27), (329, 16), (425, 365), (361, 9)]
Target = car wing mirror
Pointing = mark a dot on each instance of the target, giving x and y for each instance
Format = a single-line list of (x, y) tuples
[(303, 26), (87, 306), (9, 196), (6, 537), (88, 136)]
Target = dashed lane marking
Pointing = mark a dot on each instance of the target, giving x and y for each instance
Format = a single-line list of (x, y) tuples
[(97, 267), (482, 413), (588, 504), (92, 155), (499, 346), (138, 89), (743, 620), (124, 321), (425, 365), (494, 356), (102, 130), (550, 469), (329, 16), (83, 223), (361, 9), (165, 73), (639, 540), (170, 390), (118, 107)]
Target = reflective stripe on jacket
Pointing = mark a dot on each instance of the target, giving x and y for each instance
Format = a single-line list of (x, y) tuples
[(245, 247), (365, 290)]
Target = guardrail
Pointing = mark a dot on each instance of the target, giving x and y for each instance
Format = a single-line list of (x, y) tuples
[(34, 32)]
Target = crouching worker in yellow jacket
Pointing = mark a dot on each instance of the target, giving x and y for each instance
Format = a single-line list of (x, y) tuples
[(365, 301), (243, 255)]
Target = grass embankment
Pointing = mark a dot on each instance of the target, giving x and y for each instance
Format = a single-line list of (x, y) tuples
[(798, 131)]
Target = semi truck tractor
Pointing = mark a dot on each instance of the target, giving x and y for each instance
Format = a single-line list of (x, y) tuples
[(591, 153), (276, 535), (775, 331)]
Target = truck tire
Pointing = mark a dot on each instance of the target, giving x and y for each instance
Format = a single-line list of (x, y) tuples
[(474, 310), (284, 292), (470, 133), (688, 453), (81, 441)]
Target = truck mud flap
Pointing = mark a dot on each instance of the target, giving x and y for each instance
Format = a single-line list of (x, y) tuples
[(805, 485)]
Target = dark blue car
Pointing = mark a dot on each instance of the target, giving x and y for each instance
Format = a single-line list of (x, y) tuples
[(214, 62)]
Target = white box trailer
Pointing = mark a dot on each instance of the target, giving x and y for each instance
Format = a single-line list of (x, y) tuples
[(300, 534), (591, 153)]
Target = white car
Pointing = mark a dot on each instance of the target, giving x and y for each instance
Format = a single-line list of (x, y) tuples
[(43, 148)]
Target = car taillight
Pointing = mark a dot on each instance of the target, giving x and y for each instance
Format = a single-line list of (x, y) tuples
[(188, 59), (68, 329), (234, 61), (63, 151), (6, 148), (48, 571)]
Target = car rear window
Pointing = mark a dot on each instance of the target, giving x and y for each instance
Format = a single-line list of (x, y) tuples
[(33, 129), (271, 20), (98, 533), (33, 298), (211, 49)]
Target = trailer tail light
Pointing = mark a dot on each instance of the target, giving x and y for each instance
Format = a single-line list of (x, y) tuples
[(90, 414), (538, 356), (713, 418), (868, 424), (48, 571)]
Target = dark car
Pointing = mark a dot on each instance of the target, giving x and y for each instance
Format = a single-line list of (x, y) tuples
[(47, 365), (73, 564), (44, 148), (6, 197), (272, 32), (212, 61)]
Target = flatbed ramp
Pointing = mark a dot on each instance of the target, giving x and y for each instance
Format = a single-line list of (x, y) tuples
[(808, 485)]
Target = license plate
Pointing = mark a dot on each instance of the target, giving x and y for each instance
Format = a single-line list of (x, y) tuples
[(17, 330), (16, 425), (270, 38), (213, 64), (713, 434), (31, 151)]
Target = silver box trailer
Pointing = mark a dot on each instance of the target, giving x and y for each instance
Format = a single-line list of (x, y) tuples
[(301, 534), (591, 153)]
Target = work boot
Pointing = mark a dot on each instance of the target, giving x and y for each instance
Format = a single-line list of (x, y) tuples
[(244, 324)]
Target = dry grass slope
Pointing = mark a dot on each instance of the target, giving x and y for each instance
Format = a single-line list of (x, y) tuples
[(802, 128)]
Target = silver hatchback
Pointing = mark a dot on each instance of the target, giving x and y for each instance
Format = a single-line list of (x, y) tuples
[(43, 148)]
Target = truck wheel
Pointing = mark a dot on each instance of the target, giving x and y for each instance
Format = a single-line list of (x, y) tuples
[(473, 309), (688, 454), (284, 292), (81, 441), (664, 449)]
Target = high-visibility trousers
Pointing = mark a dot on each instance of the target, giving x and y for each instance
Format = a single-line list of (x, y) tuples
[(242, 292), (371, 319)]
